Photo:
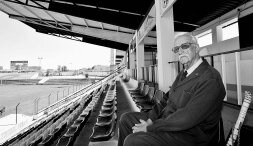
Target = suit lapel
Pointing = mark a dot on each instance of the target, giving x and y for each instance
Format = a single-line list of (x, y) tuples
[(196, 73)]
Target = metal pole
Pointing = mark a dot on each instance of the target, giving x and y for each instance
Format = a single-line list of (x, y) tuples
[(17, 113), (49, 99)]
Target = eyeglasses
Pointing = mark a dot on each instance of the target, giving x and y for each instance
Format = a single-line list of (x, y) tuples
[(182, 46)]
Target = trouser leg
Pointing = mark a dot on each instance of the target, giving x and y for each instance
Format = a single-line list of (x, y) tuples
[(126, 122), (159, 139)]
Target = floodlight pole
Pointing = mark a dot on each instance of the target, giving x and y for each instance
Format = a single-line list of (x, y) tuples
[(17, 113)]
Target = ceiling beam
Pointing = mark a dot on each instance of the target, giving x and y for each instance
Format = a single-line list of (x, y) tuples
[(109, 35)]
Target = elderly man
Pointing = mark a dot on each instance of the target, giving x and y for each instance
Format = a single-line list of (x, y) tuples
[(192, 112)]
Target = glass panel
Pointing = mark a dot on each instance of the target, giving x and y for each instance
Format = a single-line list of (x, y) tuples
[(205, 38), (230, 31), (247, 72), (231, 78), (217, 64)]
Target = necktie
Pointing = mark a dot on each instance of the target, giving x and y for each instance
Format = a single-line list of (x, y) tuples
[(184, 75)]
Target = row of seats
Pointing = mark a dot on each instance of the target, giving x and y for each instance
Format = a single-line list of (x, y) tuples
[(28, 136), (41, 132), (106, 120), (55, 130), (63, 127), (73, 130), (51, 129), (145, 96)]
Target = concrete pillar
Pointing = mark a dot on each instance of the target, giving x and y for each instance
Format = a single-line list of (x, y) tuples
[(165, 42), (131, 63), (216, 34), (139, 58), (216, 38), (132, 60)]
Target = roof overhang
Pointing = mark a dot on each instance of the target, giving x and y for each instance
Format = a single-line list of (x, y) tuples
[(110, 23)]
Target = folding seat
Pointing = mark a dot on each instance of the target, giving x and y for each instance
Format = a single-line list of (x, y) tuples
[(85, 113), (72, 130), (147, 98), (136, 89), (47, 141), (59, 129), (36, 141), (139, 90), (45, 133), (157, 98), (101, 121), (64, 141), (144, 93), (107, 106), (104, 113), (102, 133), (108, 101), (31, 139), (80, 121)]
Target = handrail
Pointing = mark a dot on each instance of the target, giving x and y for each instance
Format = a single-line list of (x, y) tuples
[(81, 90)]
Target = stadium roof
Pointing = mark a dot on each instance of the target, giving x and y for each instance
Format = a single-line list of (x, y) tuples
[(109, 23)]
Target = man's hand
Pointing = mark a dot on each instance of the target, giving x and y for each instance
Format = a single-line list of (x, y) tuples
[(142, 126)]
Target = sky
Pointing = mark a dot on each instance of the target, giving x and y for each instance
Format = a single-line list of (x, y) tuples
[(21, 42)]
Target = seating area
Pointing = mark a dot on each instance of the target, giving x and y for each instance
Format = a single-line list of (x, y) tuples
[(106, 120), (146, 96), (64, 126), (97, 111)]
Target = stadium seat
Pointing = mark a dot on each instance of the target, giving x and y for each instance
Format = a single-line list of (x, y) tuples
[(102, 133), (64, 141)]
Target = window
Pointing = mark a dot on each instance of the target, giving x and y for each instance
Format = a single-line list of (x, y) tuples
[(205, 38), (230, 29)]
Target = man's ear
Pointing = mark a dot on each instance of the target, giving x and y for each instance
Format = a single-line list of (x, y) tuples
[(197, 49)]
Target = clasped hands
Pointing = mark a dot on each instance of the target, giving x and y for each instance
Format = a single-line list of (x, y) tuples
[(142, 126)]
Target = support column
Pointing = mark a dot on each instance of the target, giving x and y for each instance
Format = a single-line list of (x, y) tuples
[(131, 63), (139, 58), (216, 38), (165, 42)]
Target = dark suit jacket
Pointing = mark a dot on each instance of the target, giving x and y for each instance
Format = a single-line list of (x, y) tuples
[(193, 106)]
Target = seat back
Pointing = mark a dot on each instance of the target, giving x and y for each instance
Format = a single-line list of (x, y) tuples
[(151, 93), (142, 87), (139, 86), (145, 91), (158, 97)]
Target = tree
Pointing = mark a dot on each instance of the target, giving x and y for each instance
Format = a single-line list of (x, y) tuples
[(59, 68), (64, 68)]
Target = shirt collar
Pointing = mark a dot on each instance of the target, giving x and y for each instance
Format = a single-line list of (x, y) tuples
[(192, 68)]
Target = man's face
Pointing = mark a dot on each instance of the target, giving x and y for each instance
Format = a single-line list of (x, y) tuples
[(186, 50)]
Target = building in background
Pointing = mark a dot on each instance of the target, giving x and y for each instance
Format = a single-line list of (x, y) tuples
[(19, 65)]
